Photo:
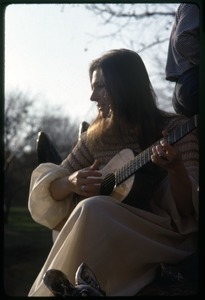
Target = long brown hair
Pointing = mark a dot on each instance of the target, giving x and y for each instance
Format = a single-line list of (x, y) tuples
[(133, 99)]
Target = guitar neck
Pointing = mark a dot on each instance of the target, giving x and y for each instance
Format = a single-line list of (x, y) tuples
[(145, 156)]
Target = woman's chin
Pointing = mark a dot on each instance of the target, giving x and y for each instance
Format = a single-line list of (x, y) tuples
[(103, 114)]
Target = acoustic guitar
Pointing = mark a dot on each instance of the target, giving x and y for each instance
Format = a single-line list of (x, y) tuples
[(119, 173)]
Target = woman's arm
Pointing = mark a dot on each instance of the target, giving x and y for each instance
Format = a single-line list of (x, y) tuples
[(169, 158), (181, 188), (186, 39)]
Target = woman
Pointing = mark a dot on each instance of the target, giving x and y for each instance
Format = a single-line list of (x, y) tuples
[(121, 238)]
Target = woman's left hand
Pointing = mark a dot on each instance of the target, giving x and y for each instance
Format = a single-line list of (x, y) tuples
[(166, 156)]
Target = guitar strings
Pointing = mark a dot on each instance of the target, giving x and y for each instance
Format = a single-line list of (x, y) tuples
[(144, 157)]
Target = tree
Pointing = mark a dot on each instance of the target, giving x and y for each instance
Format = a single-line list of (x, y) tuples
[(23, 121), (19, 125), (127, 18), (61, 131)]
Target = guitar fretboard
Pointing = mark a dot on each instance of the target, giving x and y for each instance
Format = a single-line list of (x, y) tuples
[(144, 157)]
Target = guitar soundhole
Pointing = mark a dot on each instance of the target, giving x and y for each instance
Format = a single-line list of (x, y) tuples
[(108, 184)]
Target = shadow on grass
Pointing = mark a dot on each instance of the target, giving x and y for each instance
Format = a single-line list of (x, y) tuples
[(26, 246)]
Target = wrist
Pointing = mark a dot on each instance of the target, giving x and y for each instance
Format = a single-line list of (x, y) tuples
[(60, 188)]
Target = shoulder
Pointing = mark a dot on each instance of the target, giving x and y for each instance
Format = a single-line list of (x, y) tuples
[(83, 147), (174, 121), (83, 141), (182, 130), (188, 9)]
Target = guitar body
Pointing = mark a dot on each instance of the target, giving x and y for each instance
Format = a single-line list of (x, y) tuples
[(137, 189), (121, 191)]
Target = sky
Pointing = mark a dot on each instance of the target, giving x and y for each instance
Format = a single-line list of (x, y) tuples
[(48, 48)]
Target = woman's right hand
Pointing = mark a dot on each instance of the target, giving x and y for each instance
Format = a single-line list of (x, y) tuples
[(86, 182)]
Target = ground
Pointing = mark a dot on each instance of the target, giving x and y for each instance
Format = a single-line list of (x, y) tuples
[(26, 246)]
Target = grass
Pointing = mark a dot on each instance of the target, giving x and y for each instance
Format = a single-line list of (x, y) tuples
[(26, 246)]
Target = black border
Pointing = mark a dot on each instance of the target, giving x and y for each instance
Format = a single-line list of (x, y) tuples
[(5, 3)]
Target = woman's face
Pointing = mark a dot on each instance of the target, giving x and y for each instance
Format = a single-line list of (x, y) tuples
[(99, 93)]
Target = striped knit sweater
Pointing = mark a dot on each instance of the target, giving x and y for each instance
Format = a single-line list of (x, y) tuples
[(82, 156)]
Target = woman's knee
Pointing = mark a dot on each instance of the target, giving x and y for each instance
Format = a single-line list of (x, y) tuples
[(96, 202)]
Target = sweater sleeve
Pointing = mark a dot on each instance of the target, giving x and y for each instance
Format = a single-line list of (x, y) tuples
[(80, 157), (43, 208)]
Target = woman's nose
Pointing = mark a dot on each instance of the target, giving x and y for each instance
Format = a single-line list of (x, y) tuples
[(92, 96)]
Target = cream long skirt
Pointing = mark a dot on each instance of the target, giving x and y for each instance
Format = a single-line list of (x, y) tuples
[(121, 244)]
